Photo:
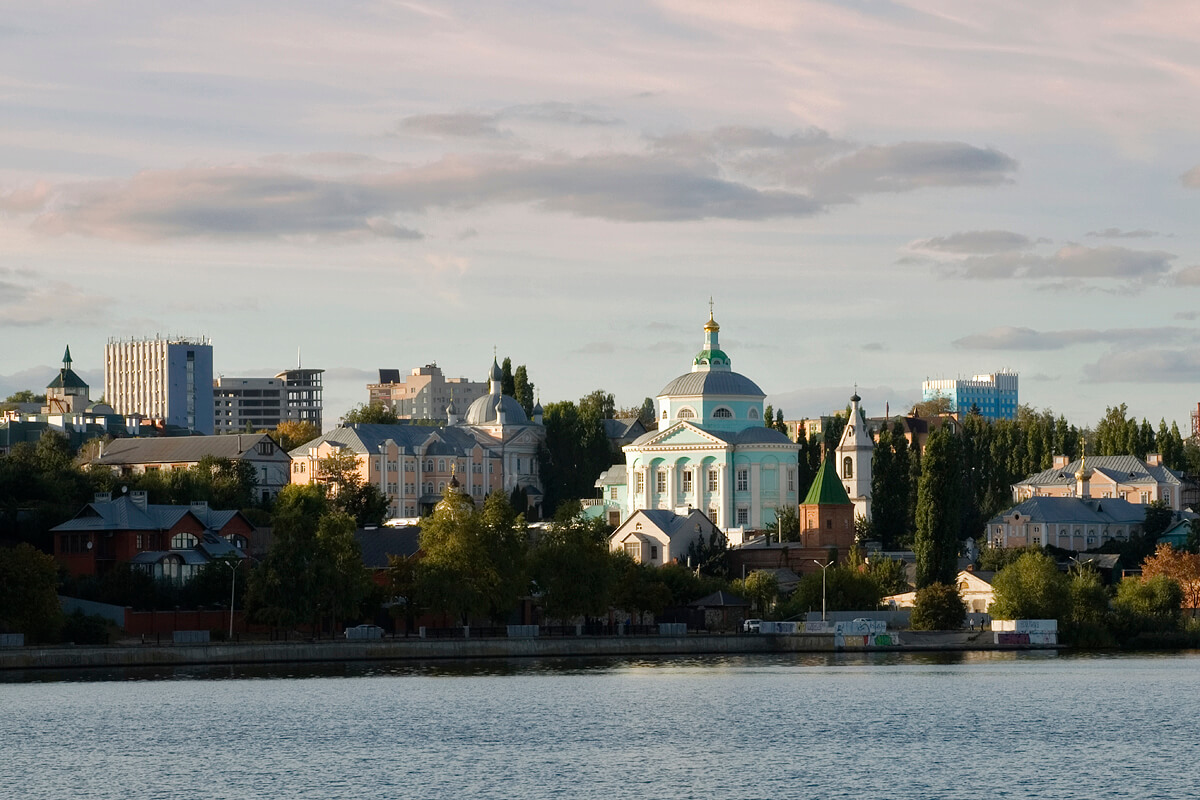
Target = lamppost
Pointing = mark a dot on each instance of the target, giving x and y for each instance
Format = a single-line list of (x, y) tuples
[(233, 564), (823, 568)]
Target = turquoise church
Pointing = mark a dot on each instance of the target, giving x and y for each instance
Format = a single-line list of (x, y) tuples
[(712, 450)]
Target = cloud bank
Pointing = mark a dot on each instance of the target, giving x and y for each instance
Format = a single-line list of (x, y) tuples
[(730, 173)]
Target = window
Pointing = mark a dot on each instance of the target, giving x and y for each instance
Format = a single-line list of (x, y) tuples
[(441, 465), (743, 479), (743, 516), (660, 482), (441, 487), (429, 465), (753, 413), (712, 480), (712, 514), (1145, 497), (829, 523), (639, 483), (687, 481), (183, 541), (791, 479), (847, 467), (409, 466), (654, 552), (722, 413), (612, 493), (685, 413), (634, 550), (477, 490)]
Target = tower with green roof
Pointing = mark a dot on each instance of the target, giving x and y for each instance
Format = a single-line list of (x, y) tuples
[(827, 513)]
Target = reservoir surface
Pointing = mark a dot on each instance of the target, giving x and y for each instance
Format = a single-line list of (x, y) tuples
[(884, 725)]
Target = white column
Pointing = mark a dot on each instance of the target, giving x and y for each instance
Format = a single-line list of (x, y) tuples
[(755, 499), (672, 486)]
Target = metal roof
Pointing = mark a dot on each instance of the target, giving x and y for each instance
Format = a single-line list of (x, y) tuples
[(1120, 469), (179, 449), (712, 382), (1072, 510)]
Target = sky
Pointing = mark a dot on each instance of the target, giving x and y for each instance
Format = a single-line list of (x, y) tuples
[(872, 193)]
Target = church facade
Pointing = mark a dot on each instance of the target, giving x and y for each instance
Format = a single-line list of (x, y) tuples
[(712, 450)]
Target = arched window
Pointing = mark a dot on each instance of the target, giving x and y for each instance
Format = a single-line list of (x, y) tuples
[(722, 413), (847, 467), (685, 413), (183, 541), (441, 465), (753, 413)]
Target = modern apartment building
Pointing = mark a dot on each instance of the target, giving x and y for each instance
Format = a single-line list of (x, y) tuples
[(424, 393), (260, 403), (994, 394), (167, 380)]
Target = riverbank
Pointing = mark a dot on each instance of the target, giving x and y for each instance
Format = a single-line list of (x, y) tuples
[(88, 657)]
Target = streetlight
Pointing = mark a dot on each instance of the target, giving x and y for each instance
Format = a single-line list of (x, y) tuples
[(233, 564), (823, 567)]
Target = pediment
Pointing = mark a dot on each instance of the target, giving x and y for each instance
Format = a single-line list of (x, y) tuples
[(683, 434)]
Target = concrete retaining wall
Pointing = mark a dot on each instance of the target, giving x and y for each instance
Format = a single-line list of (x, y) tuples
[(429, 649)]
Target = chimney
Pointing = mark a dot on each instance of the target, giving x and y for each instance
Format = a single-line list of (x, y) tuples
[(139, 499)]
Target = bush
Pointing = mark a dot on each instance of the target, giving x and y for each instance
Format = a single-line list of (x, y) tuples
[(81, 629), (938, 607)]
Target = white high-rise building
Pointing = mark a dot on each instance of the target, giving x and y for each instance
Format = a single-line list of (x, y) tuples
[(170, 380)]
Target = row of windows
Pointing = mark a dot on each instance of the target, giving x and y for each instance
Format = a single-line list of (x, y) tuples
[(741, 481), (721, 413)]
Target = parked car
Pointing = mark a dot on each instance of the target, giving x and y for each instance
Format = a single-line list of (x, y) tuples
[(752, 625), (364, 632)]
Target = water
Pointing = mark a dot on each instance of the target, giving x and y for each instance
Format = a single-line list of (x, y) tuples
[(1011, 725)]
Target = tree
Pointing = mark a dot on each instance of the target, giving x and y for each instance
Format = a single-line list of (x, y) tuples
[(28, 593), (786, 526), (508, 384), (473, 563), (847, 588), (646, 413), (348, 492), (25, 396), (575, 451), (769, 416), (285, 589), (1159, 517), (290, 434), (936, 542), (572, 569), (938, 607), (373, 414), (707, 557), (780, 425), (1146, 606), (1180, 566), (1087, 620), (1030, 588), (890, 575), (760, 587), (598, 403), (936, 406), (808, 460), (638, 588), (523, 390), (343, 578)]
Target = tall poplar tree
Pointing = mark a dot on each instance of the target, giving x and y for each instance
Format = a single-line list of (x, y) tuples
[(938, 493)]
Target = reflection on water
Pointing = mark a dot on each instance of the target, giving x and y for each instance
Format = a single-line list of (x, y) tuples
[(515, 666)]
